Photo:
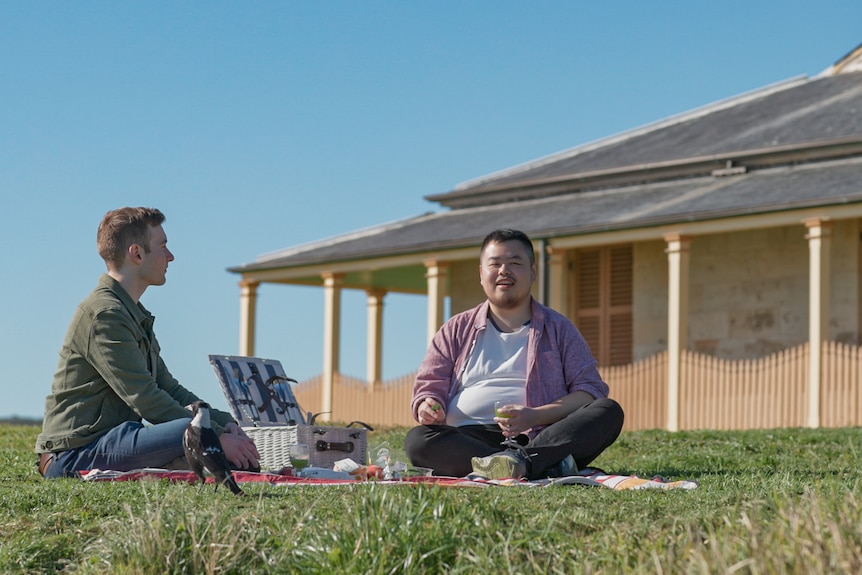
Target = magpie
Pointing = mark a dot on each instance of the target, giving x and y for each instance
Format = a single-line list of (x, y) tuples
[(203, 449)]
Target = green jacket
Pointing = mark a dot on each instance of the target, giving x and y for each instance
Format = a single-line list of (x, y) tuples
[(111, 372)]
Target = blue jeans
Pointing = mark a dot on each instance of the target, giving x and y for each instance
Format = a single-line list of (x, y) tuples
[(129, 446)]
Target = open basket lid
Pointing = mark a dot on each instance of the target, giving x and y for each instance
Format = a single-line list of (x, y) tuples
[(257, 391)]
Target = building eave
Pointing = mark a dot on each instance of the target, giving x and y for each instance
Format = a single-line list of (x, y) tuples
[(651, 221)]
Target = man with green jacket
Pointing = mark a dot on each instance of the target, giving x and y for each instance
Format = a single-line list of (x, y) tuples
[(111, 375)]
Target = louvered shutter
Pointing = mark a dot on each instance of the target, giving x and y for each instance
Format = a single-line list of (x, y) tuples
[(588, 297), (620, 306), (603, 302)]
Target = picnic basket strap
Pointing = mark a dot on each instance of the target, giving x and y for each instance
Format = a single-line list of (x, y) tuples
[(365, 425)]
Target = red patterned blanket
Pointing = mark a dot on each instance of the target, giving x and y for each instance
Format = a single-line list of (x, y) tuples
[(591, 477)]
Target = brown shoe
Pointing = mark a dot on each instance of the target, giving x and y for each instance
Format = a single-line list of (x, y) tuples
[(45, 461)]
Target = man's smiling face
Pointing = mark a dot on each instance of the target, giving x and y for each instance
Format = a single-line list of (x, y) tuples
[(507, 273)]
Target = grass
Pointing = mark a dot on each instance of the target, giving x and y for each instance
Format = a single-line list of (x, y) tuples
[(773, 501)]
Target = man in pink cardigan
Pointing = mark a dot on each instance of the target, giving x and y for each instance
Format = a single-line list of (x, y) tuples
[(514, 350)]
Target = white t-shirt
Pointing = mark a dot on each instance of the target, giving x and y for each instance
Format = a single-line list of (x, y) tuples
[(496, 371)]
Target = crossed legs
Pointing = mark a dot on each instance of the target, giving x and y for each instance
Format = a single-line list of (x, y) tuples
[(584, 434)]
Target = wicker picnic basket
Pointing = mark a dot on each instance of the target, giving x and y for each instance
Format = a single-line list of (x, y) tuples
[(326, 444), (261, 399)]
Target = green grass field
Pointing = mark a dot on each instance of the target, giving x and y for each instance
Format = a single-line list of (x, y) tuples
[(776, 501)]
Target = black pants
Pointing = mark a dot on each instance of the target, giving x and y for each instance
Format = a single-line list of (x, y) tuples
[(583, 434)]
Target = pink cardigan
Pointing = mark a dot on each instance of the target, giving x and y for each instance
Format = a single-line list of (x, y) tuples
[(559, 361)]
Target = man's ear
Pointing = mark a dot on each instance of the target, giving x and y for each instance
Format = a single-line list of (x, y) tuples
[(135, 253)]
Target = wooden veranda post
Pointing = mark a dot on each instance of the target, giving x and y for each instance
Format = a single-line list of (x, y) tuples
[(819, 244), (247, 316), (677, 320), (437, 275), (331, 336), (374, 357)]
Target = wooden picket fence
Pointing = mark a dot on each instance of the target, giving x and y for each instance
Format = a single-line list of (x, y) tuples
[(641, 389), (758, 393), (715, 393), (841, 392), (386, 405), (763, 393)]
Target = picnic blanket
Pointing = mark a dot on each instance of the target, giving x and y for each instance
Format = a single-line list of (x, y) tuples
[(590, 477)]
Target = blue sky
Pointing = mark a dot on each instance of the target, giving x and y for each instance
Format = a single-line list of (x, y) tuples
[(257, 126)]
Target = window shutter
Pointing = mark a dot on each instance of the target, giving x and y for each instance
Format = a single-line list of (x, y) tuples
[(620, 306), (588, 298), (603, 302)]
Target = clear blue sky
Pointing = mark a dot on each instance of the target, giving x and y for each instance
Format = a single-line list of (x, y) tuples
[(262, 125)]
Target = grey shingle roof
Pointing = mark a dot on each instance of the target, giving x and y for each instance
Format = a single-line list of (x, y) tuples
[(817, 184), (795, 113), (785, 117)]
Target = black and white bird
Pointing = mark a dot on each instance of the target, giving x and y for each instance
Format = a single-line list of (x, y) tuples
[(203, 449)]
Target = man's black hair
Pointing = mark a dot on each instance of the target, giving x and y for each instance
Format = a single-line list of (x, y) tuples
[(506, 235)]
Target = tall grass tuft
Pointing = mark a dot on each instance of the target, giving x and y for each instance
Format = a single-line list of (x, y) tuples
[(808, 534), (770, 501), (161, 534)]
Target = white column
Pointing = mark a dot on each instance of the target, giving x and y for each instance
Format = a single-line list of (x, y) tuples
[(247, 316), (437, 274), (331, 338), (677, 320), (374, 359), (819, 285)]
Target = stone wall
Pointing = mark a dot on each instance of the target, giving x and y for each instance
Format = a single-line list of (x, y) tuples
[(748, 292)]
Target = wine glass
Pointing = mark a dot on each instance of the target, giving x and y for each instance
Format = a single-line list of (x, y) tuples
[(299, 457), (509, 442)]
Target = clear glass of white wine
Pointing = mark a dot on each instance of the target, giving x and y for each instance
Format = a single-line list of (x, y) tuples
[(500, 411), (299, 457)]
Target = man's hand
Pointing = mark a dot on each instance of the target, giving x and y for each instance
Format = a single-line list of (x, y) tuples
[(233, 427), (239, 447), (522, 418), (430, 412), (516, 419)]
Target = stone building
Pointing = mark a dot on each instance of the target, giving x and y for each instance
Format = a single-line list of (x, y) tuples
[(731, 233)]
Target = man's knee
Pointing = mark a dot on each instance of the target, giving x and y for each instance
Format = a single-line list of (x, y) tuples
[(613, 409), (421, 443), (612, 415), (416, 441)]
